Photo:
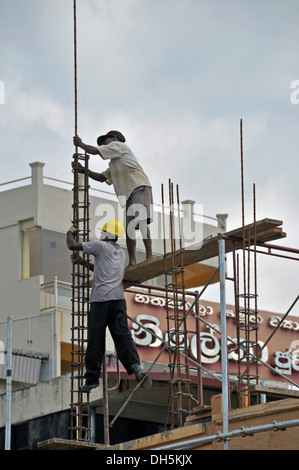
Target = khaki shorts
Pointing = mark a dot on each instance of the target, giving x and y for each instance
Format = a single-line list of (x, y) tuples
[(142, 198)]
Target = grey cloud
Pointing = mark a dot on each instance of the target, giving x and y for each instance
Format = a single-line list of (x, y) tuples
[(176, 77)]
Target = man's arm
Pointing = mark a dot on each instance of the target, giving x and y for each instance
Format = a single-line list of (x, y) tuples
[(74, 246), (92, 174), (71, 242), (97, 176), (93, 151), (83, 262), (88, 148)]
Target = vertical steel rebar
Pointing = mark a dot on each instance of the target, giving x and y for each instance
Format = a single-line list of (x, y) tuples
[(179, 381), (244, 295), (105, 402), (170, 395), (75, 67), (246, 318), (80, 408), (198, 349), (183, 303)]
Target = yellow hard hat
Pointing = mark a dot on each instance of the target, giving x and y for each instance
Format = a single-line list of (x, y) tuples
[(115, 227)]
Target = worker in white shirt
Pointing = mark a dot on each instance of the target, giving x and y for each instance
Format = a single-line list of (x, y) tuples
[(130, 183)]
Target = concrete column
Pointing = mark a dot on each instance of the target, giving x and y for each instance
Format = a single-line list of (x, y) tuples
[(188, 224), (37, 173), (188, 210), (222, 222), (37, 187)]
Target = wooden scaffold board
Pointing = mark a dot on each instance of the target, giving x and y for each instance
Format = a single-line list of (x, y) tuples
[(66, 444), (266, 230)]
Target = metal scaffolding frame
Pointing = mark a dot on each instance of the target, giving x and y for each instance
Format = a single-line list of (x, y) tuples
[(80, 416), (225, 379), (228, 383)]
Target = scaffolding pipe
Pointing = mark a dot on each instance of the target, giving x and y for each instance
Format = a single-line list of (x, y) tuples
[(8, 384), (93, 424), (225, 380), (52, 345), (243, 432), (105, 402), (53, 327)]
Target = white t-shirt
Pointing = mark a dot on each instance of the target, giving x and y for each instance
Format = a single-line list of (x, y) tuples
[(124, 171), (109, 269)]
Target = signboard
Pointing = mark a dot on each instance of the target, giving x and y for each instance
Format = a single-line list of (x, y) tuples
[(281, 352)]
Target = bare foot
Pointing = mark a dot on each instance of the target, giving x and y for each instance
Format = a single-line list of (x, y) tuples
[(131, 264)]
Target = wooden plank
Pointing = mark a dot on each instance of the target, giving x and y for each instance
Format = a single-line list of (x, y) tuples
[(208, 249), (171, 436), (261, 226), (264, 236), (199, 412), (65, 444), (274, 391), (269, 235), (200, 409), (261, 410)]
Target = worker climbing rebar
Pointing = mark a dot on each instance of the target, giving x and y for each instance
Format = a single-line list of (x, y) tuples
[(108, 305), (130, 183), (136, 188)]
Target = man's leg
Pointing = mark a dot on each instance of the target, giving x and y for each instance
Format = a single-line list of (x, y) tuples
[(122, 338), (125, 346), (146, 236), (131, 242), (96, 344), (131, 247), (138, 214)]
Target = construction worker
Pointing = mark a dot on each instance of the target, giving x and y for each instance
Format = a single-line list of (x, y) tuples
[(107, 305), (130, 183)]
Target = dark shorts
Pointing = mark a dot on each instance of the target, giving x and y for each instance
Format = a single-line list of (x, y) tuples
[(142, 198)]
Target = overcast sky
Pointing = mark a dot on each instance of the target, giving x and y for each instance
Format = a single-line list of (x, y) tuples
[(176, 77)]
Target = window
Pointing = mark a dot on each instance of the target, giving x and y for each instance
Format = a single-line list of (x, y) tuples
[(20, 437)]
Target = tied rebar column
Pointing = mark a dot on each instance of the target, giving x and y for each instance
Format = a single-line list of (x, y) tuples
[(80, 408), (177, 341), (246, 316)]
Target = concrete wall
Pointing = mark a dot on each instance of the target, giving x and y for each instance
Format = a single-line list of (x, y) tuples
[(40, 400)]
